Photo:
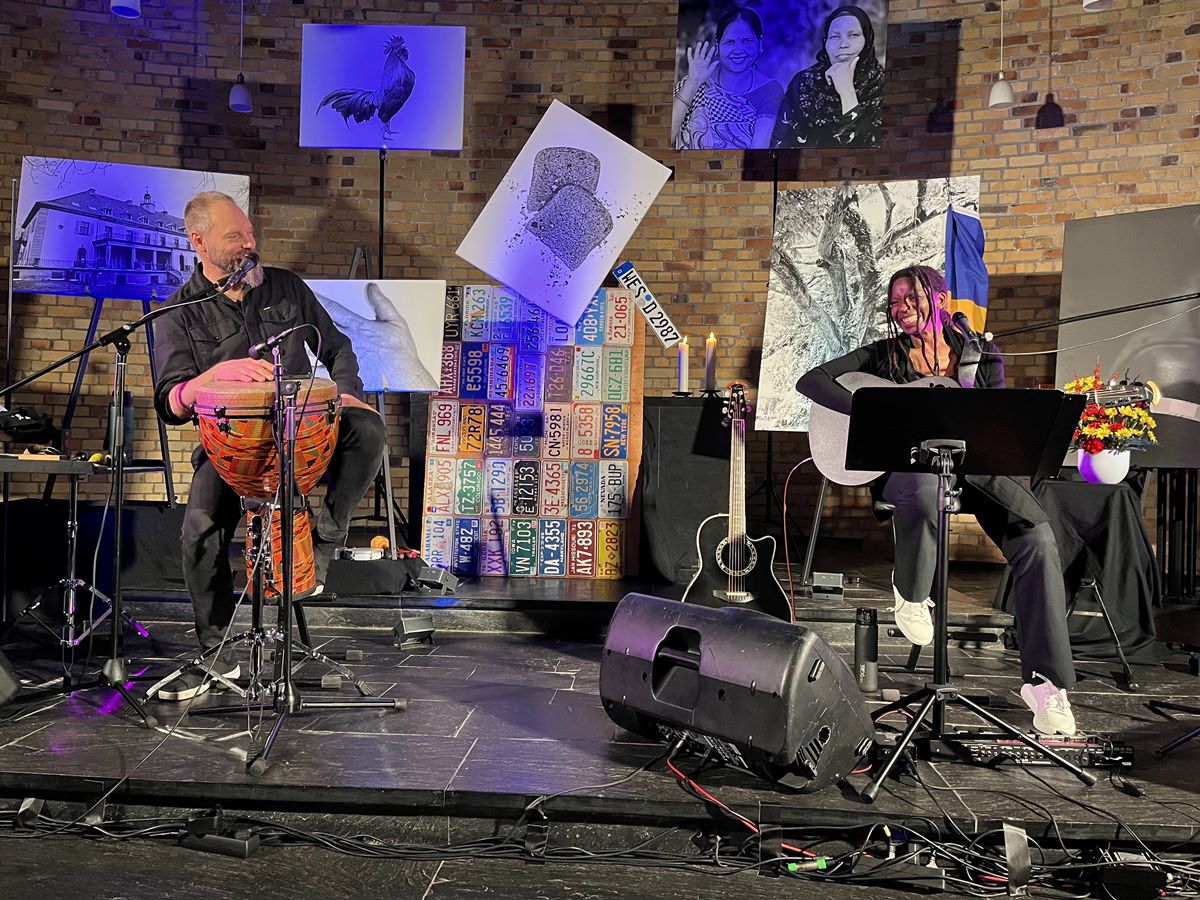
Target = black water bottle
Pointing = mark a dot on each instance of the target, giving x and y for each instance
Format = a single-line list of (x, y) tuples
[(866, 648)]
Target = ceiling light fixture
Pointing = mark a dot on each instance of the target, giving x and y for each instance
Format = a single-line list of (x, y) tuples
[(1001, 94), (239, 94)]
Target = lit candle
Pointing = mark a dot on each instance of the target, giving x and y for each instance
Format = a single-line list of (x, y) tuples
[(710, 362), (683, 367)]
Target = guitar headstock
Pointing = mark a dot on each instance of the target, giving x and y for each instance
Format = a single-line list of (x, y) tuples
[(735, 406)]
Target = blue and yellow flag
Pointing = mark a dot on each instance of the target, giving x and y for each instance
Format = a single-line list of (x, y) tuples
[(966, 275)]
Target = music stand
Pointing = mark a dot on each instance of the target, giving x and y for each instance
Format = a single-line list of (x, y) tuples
[(957, 432)]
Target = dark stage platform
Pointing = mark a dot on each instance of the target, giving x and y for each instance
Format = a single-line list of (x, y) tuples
[(496, 720)]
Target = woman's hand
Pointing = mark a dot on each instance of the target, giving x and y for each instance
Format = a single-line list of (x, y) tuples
[(841, 76), (702, 65)]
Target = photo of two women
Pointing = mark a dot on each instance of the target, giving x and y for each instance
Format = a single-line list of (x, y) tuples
[(779, 74)]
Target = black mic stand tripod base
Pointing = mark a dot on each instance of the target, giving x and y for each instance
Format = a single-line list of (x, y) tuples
[(885, 429), (285, 698)]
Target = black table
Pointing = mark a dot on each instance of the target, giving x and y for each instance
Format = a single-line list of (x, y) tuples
[(1101, 535)]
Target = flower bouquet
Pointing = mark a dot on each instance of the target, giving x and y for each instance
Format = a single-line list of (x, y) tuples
[(1114, 421)]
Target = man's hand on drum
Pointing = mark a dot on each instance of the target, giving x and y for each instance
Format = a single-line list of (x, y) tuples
[(236, 370), (183, 395), (349, 401)]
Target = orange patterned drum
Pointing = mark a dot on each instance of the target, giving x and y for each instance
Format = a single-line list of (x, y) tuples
[(237, 434), (236, 429)]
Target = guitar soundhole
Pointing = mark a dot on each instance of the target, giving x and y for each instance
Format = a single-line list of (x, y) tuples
[(737, 557)]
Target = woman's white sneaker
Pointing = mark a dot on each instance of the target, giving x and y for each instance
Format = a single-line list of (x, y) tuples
[(1050, 706), (913, 619)]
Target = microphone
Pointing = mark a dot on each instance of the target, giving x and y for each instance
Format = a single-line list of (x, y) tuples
[(238, 275), (964, 325), (263, 348)]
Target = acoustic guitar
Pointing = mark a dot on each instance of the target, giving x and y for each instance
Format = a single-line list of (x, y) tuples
[(736, 569)]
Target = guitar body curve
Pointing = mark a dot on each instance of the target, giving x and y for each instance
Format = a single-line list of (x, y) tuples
[(828, 429), (736, 572)]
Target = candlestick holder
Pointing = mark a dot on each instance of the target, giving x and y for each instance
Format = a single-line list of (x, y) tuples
[(710, 392), (681, 393)]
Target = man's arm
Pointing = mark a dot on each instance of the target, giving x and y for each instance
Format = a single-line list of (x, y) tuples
[(175, 363)]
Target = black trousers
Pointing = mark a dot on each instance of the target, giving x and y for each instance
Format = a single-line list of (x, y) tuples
[(214, 511), (1010, 516)]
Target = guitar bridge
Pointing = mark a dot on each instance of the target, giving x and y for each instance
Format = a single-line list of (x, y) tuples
[(734, 596)]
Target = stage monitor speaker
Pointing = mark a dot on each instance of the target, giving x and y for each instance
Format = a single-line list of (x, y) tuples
[(764, 695)]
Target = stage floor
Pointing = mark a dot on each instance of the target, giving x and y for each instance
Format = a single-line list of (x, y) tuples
[(496, 719)]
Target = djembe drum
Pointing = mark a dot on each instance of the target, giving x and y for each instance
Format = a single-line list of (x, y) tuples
[(237, 431)]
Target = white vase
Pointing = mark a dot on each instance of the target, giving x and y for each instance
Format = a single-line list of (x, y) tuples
[(1105, 467)]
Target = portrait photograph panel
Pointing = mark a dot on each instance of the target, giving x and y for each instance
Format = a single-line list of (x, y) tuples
[(108, 230), (779, 74)]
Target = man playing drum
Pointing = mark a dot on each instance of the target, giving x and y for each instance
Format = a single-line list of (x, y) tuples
[(206, 343)]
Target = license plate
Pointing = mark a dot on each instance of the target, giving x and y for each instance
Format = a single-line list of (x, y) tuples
[(585, 431), (451, 368), (556, 482), (501, 359), (475, 312), (556, 426), (618, 372), (466, 546), (473, 372), (552, 547), (618, 317), (585, 490), (589, 330), (439, 484), (452, 318), (527, 435), (522, 546), (610, 548), (493, 560), (498, 483), (526, 482), (560, 380), (581, 548), (502, 313), (614, 440), (560, 333), (468, 491), (443, 426), (614, 489), (472, 424), (499, 437), (530, 378), (533, 329), (586, 380), (438, 546)]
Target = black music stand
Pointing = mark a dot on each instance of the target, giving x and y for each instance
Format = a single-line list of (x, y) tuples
[(957, 432)]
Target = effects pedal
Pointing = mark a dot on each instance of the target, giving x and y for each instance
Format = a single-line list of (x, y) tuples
[(1085, 751)]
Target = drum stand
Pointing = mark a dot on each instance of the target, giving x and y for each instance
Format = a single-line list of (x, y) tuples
[(284, 697)]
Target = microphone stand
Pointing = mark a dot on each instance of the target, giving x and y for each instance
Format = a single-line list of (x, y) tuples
[(114, 671), (1100, 314)]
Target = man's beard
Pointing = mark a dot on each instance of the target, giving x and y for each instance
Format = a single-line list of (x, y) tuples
[(229, 264)]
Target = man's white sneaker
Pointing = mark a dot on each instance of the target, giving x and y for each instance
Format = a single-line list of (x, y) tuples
[(1051, 708), (913, 619)]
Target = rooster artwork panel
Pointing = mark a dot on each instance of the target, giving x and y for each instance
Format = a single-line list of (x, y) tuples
[(382, 87), (565, 209)]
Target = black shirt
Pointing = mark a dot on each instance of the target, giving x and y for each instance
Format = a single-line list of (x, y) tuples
[(820, 384), (194, 338)]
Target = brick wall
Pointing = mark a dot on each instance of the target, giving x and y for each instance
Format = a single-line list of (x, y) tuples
[(80, 82)]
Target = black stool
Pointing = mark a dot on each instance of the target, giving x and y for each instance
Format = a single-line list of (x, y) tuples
[(1093, 585)]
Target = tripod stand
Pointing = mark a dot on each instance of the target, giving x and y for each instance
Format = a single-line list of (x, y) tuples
[(284, 699), (889, 431)]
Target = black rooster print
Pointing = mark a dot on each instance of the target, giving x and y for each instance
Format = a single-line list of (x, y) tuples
[(395, 87)]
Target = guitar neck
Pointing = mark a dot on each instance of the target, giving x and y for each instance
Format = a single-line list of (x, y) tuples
[(737, 480)]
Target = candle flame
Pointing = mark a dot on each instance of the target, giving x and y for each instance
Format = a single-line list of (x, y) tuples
[(712, 336), (685, 340)]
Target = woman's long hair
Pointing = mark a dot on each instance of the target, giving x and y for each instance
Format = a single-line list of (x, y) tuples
[(868, 64)]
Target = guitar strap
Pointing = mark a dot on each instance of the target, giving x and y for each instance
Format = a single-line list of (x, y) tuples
[(968, 364)]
